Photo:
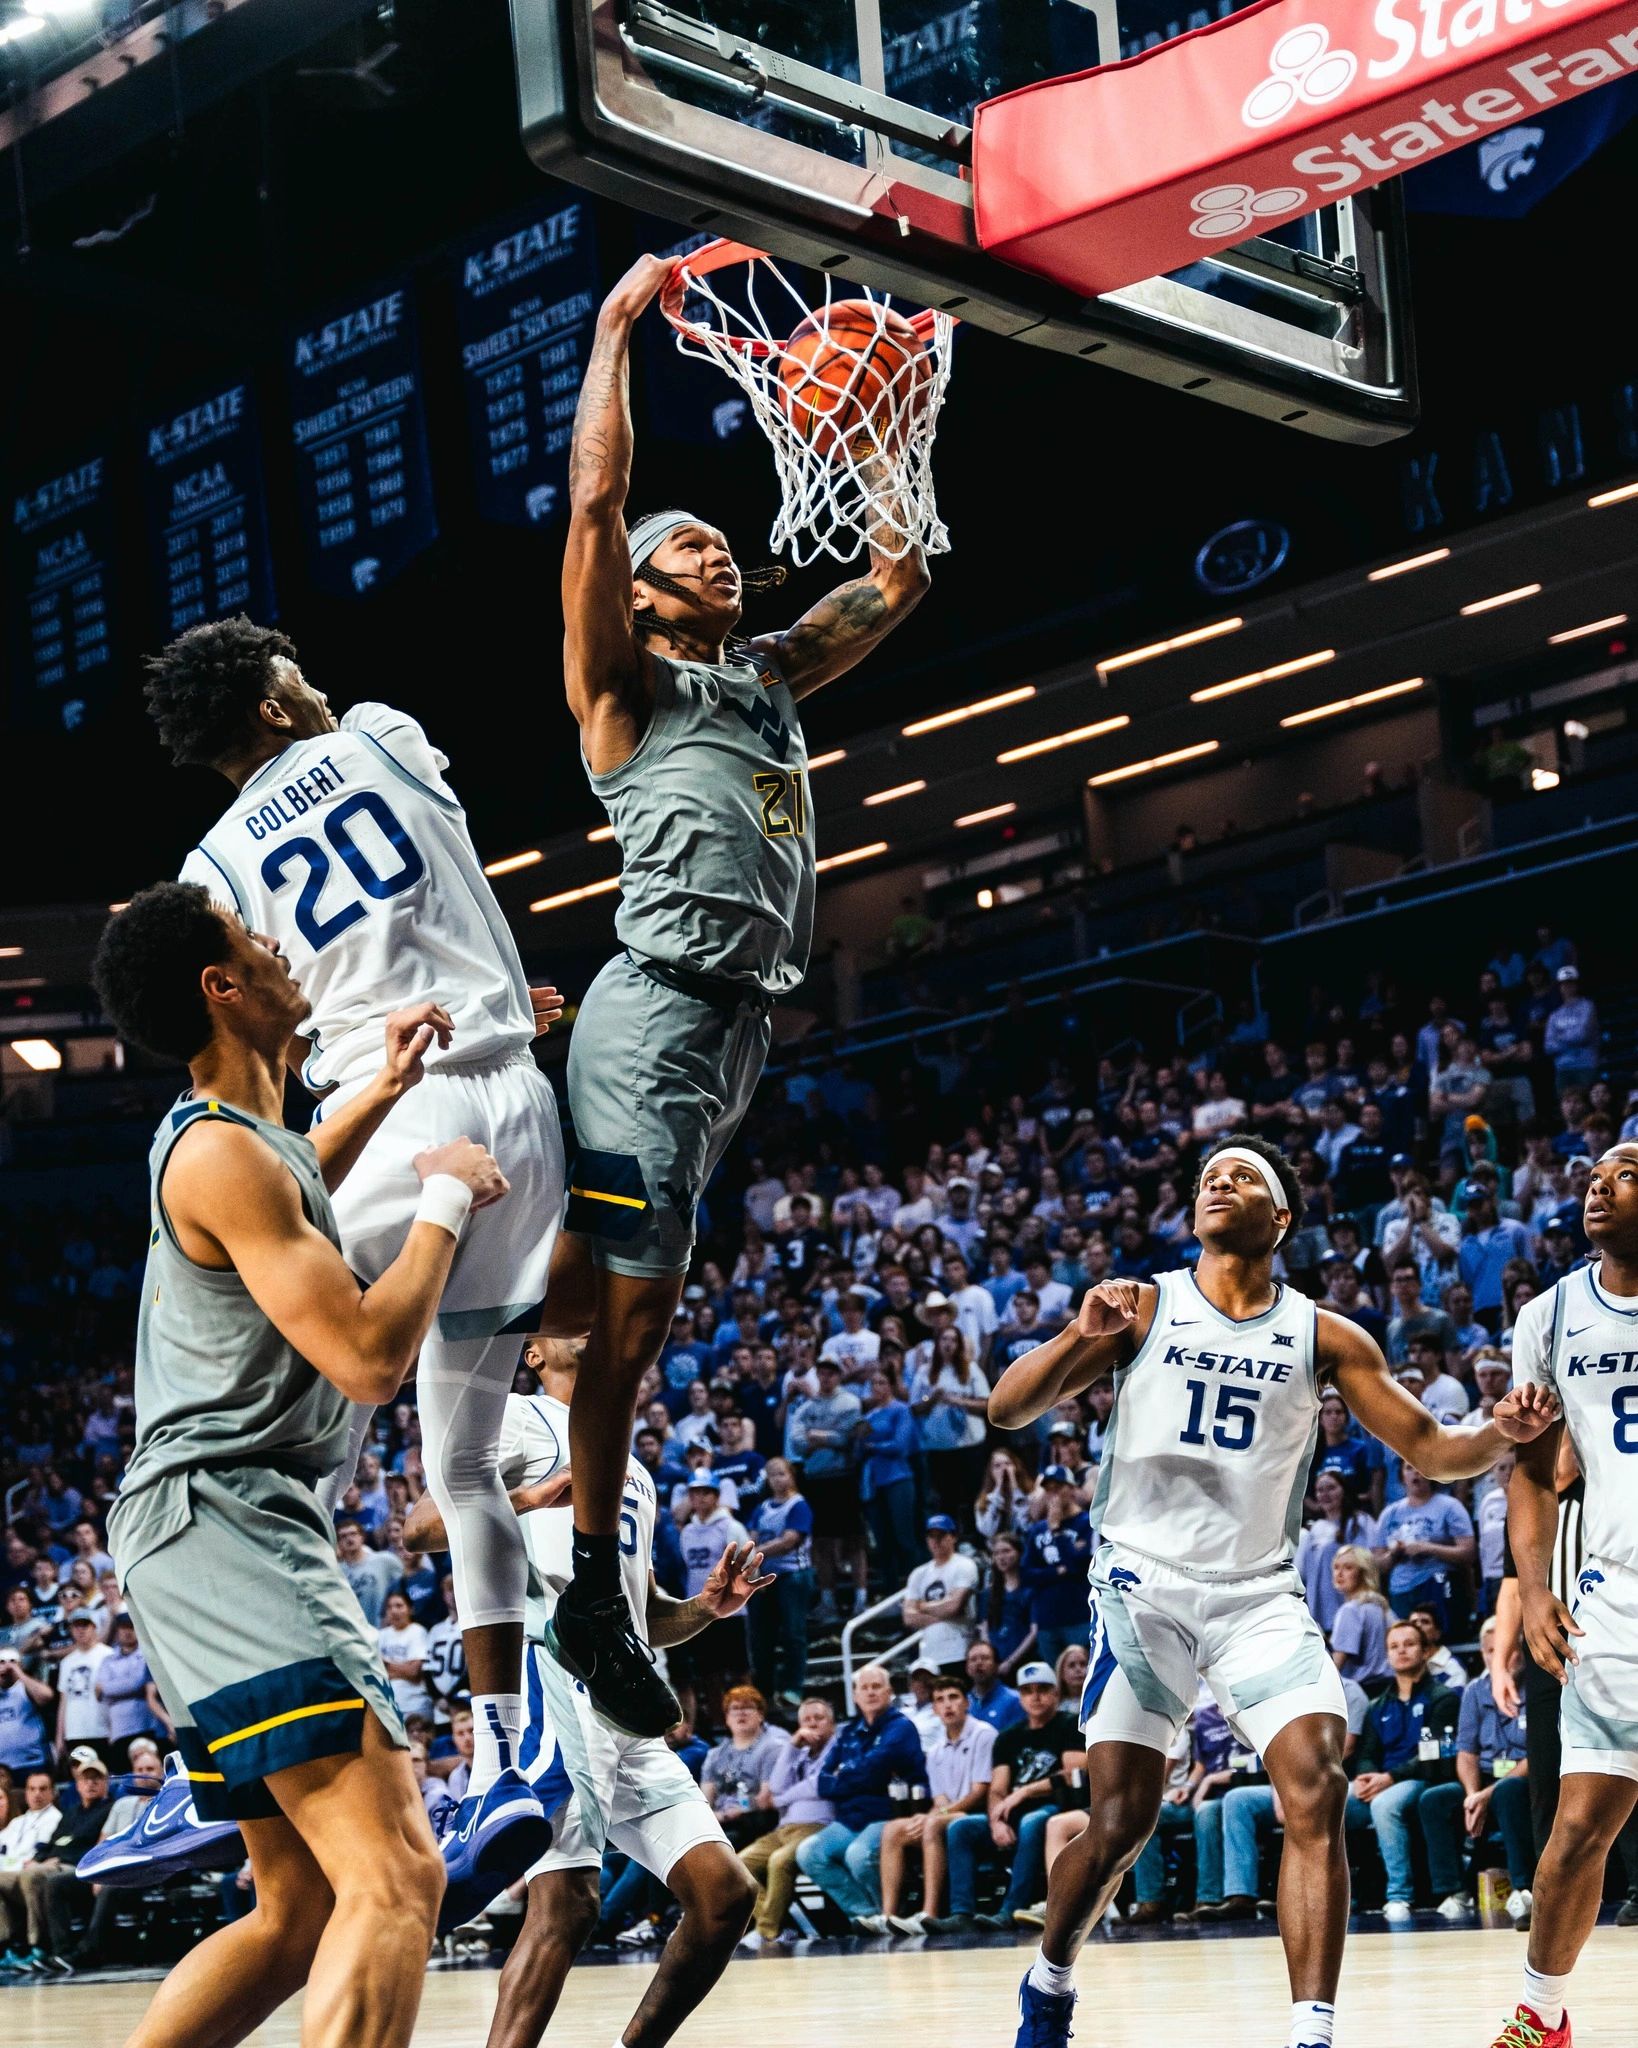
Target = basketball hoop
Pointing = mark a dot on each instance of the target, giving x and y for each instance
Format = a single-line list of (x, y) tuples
[(848, 400)]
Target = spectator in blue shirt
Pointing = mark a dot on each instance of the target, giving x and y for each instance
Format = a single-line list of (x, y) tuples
[(887, 1436), (1009, 1620), (783, 1528), (989, 1698), (1572, 1035), (1057, 1551), (875, 1752), (1488, 1242), (1407, 1745), (1002, 1282), (1421, 1538), (1491, 1797)]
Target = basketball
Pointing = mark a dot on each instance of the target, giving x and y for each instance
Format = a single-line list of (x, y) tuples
[(840, 370)]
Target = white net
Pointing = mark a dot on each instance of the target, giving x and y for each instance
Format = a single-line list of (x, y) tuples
[(849, 401)]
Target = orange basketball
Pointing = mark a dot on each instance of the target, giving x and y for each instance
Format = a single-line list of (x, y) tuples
[(839, 371)]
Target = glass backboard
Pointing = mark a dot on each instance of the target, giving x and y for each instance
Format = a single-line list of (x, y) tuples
[(837, 134)]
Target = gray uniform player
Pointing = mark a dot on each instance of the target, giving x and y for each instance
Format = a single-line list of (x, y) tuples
[(692, 741), (254, 1336)]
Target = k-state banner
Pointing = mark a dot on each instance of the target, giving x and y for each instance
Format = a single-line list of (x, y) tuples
[(61, 547), (207, 511), (360, 434), (526, 298)]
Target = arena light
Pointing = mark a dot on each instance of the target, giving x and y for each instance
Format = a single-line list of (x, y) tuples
[(513, 862), (986, 899), (1157, 648), (114, 909), (1410, 562), (1581, 632), (1491, 604), (599, 833), (1263, 675), (567, 896), (1543, 779), (21, 27), (16, 952), (1156, 761), (38, 1053), (891, 796), (985, 817), (1063, 739), (965, 711), (827, 760), (844, 860), (1621, 496), (1355, 703)]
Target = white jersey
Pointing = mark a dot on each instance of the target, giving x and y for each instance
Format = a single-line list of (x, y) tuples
[(1206, 1453), (534, 1443), (351, 850), (1583, 1343)]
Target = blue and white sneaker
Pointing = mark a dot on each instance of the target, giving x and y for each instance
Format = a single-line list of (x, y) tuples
[(490, 1840), (1043, 2021), (166, 1837)]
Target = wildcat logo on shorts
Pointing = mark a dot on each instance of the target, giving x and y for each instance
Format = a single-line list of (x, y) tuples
[(1303, 70), (1588, 1580), (1229, 213), (1120, 1576)]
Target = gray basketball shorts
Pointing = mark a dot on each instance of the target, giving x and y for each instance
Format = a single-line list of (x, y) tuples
[(257, 1643), (658, 1083)]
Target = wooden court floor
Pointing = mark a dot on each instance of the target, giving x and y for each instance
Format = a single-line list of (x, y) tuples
[(1449, 1989)]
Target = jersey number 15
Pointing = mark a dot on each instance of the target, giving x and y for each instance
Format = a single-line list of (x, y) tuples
[(1235, 1422)]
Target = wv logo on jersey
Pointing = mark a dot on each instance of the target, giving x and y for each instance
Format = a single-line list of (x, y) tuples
[(766, 723)]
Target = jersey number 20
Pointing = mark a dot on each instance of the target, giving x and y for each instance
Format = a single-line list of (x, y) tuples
[(1236, 1418), (315, 928)]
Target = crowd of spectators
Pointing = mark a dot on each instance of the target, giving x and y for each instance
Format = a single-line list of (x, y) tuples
[(881, 1245)]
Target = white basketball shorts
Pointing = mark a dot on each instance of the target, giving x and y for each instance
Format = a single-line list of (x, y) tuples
[(1156, 1631), (1598, 1719)]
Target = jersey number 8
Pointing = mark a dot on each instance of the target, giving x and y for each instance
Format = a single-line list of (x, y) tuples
[(1625, 1403), (318, 931)]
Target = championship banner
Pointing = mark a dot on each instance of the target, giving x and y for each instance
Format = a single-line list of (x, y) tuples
[(688, 400), (1137, 169), (207, 511), (526, 303), (62, 546), (361, 441)]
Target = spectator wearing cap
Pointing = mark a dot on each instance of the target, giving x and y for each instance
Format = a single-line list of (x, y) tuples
[(887, 1479), (736, 1776), (799, 1811), (917, 1699), (959, 1224), (126, 1688), (855, 1347), (949, 1398), (1571, 1039), (24, 1742), (1422, 1538), (1348, 1242), (959, 1766), (989, 1698), (1057, 1553), (939, 1598), (82, 1716), (1027, 1787), (706, 1662), (867, 1774), (819, 1437), (1563, 1243), (146, 1776), (47, 1889), (1488, 1242)]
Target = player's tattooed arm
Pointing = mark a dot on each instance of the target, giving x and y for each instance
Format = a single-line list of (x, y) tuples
[(604, 672), (1353, 1361), (842, 628), (1113, 1320), (735, 1577)]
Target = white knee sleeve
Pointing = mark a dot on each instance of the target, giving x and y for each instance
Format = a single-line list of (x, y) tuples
[(334, 1484), (461, 1389)]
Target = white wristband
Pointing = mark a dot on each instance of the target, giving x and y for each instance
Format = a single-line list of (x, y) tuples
[(445, 1201)]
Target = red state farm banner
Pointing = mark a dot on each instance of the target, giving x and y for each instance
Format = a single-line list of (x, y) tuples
[(1139, 168)]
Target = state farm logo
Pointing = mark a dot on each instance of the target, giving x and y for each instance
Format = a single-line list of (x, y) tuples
[(1229, 213), (1303, 71)]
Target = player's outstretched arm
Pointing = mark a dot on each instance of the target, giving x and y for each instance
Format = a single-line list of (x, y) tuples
[(339, 1140), (842, 628), (1360, 1375), (1114, 1319), (233, 1203), (735, 1577), (604, 671)]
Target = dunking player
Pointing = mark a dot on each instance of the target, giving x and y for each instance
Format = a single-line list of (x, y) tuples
[(345, 841), (253, 1338), (1578, 1342), (1218, 1378), (692, 742), (632, 1791)]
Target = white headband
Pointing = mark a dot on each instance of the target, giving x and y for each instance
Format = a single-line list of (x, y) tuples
[(1260, 1166)]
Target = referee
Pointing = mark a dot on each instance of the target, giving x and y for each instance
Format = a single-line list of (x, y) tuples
[(1541, 1691)]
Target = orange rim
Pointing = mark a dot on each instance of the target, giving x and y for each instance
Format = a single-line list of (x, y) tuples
[(724, 254)]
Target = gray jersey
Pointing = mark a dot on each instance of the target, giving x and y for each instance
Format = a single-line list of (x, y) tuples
[(715, 827), (215, 1381)]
